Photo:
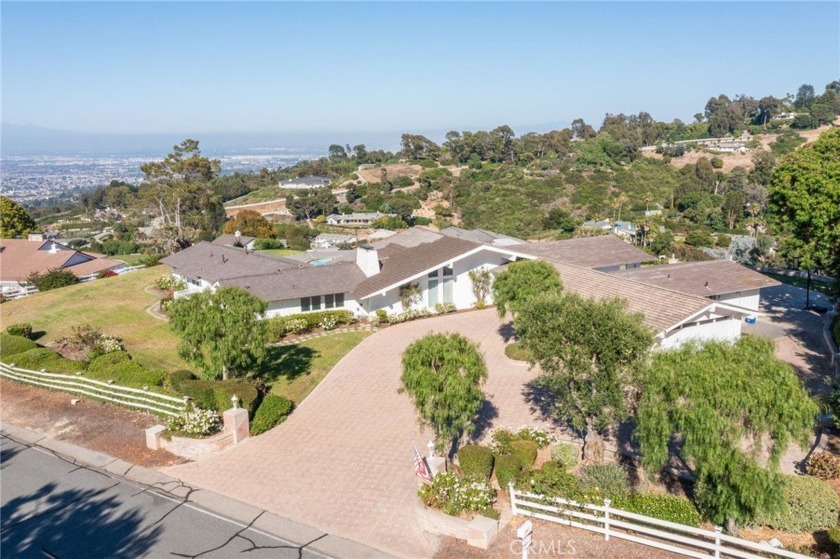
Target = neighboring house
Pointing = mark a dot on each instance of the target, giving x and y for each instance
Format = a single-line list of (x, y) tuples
[(719, 280), (602, 225), (19, 258), (657, 210), (605, 253), (356, 219), (370, 278), (236, 240), (624, 229), (302, 183), (481, 236), (326, 241), (380, 234)]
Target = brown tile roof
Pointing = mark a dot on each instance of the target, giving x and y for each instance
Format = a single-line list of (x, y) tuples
[(663, 308), (21, 257), (301, 282), (212, 262), (593, 252), (713, 277), (403, 264)]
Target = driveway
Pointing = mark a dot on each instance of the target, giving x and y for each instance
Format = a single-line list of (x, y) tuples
[(342, 461)]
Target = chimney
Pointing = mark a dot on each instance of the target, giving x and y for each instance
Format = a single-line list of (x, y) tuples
[(53, 249), (367, 259), (238, 234)]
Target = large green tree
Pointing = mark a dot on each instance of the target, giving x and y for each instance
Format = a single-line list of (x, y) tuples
[(221, 332), (727, 412), (14, 220), (250, 222), (590, 352), (523, 281), (443, 374), (306, 204), (804, 197)]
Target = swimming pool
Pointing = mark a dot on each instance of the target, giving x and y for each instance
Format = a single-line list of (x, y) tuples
[(321, 261)]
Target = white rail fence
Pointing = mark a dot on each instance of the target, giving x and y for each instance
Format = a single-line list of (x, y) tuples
[(616, 523), (28, 290), (162, 404)]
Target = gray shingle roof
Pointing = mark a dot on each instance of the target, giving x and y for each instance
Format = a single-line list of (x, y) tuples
[(409, 238), (593, 252), (229, 239), (342, 277), (704, 279), (481, 236), (212, 262), (402, 264)]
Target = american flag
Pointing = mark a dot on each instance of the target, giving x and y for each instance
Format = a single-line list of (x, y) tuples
[(420, 466)]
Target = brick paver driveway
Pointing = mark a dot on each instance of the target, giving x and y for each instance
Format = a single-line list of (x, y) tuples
[(342, 461)]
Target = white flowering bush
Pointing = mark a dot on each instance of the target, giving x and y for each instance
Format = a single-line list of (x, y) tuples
[(409, 315), (297, 325), (540, 436), (444, 308), (195, 422), (109, 344), (453, 495), (170, 283), (503, 437), (328, 322)]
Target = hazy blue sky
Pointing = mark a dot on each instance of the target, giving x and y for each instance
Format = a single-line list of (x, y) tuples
[(322, 67)]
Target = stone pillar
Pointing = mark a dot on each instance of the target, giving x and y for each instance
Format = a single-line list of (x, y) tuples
[(437, 465), (236, 423), (153, 437)]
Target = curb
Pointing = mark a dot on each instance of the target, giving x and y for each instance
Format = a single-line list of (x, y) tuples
[(300, 535)]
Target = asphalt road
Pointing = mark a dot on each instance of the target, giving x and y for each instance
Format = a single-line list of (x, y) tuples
[(53, 508)]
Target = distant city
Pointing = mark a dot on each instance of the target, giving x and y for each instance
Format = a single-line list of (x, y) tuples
[(28, 178)]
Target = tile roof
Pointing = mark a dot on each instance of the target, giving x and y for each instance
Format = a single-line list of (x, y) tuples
[(593, 252), (229, 239), (342, 277), (409, 238), (663, 308), (713, 277), (405, 263), (212, 262), (481, 236), (21, 257)]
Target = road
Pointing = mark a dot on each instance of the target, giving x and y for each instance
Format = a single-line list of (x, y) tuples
[(52, 507)]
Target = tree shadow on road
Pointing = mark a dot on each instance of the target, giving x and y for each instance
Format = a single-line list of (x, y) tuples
[(73, 523)]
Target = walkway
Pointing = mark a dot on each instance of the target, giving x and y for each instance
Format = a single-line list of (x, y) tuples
[(342, 461)]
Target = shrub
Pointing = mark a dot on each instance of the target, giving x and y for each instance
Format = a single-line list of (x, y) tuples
[(11, 344), (119, 367), (476, 461), (179, 376), (23, 329), (298, 326), (551, 480), (217, 394), (809, 505), (453, 495), (526, 451), (53, 279), (824, 466), (664, 507), (327, 322), (382, 315), (301, 323), (267, 244), (540, 436), (411, 314), (47, 359), (717, 162), (517, 352), (444, 308), (502, 438), (170, 283), (273, 411), (607, 480), (566, 455), (194, 422), (508, 467)]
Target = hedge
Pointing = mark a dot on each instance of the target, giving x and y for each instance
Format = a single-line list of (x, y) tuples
[(508, 467), (526, 451), (664, 507), (119, 367), (21, 329), (10, 345), (273, 411), (304, 322), (216, 394), (47, 359), (179, 376), (809, 505), (476, 461), (551, 480)]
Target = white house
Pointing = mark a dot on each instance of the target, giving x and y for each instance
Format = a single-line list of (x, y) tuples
[(356, 219), (305, 183), (370, 279), (327, 241)]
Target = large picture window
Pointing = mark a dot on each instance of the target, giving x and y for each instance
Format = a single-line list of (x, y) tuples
[(440, 286), (314, 303)]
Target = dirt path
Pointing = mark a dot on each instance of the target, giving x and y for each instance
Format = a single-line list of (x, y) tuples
[(101, 427)]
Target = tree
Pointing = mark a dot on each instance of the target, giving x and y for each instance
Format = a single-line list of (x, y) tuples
[(724, 432), (415, 146), (560, 219), (14, 220), (443, 374), (221, 332), (733, 207), (581, 130), (336, 153), (804, 96), (522, 281), (589, 351), (251, 223), (52, 279), (764, 162), (662, 243), (306, 204), (481, 280), (804, 196)]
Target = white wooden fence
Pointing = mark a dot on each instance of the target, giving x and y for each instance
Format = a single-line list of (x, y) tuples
[(125, 396), (28, 290), (616, 523)]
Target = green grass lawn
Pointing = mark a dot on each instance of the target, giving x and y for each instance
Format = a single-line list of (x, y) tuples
[(801, 282), (293, 371), (279, 252), (129, 259), (116, 306)]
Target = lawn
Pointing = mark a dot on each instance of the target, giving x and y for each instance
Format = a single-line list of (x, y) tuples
[(294, 371), (279, 252), (116, 306), (801, 282)]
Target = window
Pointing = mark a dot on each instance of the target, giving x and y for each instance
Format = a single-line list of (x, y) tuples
[(433, 292), (447, 270), (331, 301), (447, 290), (433, 274)]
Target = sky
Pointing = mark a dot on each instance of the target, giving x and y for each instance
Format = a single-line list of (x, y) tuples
[(140, 68)]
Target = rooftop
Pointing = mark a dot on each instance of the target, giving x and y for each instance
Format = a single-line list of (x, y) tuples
[(229, 239), (592, 252), (21, 257), (213, 262), (481, 236), (305, 281), (705, 279)]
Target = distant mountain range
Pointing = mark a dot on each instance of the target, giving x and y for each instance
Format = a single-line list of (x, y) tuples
[(27, 139)]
